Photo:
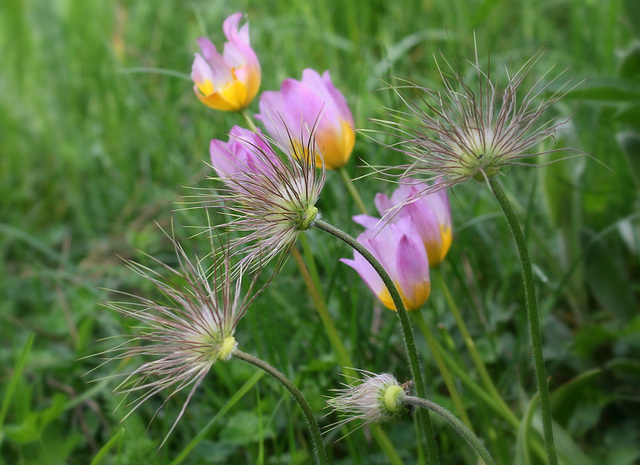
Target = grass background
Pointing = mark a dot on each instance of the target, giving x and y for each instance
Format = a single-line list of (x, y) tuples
[(99, 136)]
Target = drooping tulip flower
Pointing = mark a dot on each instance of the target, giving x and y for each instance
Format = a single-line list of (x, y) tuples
[(312, 105), (431, 214), (229, 81), (399, 249)]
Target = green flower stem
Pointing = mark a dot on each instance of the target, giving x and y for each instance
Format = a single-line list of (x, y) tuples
[(446, 374), (310, 277), (310, 261), (248, 120), (352, 190), (473, 351), (498, 406), (316, 438), (456, 424), (532, 317), (407, 333)]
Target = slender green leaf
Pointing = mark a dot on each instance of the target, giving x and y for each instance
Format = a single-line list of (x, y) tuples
[(107, 447), (15, 377), (225, 408)]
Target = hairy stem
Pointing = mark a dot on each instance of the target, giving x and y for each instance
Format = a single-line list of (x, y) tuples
[(531, 307), (431, 450), (310, 277), (316, 438), (456, 424), (444, 371)]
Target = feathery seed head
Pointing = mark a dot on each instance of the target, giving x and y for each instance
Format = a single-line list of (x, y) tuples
[(464, 132), (376, 399), (271, 198), (184, 336)]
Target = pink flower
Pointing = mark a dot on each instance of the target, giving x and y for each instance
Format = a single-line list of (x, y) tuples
[(246, 155), (312, 105), (430, 213), (229, 81), (398, 248)]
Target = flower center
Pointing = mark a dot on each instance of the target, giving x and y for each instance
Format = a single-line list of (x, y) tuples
[(476, 154), (226, 348), (393, 398), (306, 218)]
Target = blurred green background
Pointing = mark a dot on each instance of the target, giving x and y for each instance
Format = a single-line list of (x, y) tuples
[(101, 135)]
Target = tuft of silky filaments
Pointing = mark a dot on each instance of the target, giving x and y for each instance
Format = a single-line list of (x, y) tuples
[(471, 130), (179, 338), (376, 398)]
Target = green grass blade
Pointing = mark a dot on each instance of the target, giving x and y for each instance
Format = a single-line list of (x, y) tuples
[(17, 373), (107, 447), (225, 408)]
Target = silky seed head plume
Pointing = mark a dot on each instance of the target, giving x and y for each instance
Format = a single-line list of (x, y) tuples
[(470, 131), (375, 399), (185, 335), (270, 198)]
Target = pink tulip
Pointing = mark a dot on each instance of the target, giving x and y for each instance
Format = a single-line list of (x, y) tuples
[(398, 248), (245, 156), (310, 109), (430, 213), (229, 81)]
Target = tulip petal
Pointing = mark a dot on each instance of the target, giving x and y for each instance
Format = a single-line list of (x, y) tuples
[(366, 272), (308, 107), (229, 81), (413, 272), (369, 222)]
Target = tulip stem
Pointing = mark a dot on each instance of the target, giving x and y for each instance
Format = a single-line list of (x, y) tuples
[(316, 437), (249, 121), (323, 312), (431, 450), (531, 308), (352, 190), (455, 423)]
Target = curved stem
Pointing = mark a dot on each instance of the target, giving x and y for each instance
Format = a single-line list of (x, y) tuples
[(532, 316), (444, 371), (352, 190), (316, 438), (310, 277), (456, 424), (407, 332)]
